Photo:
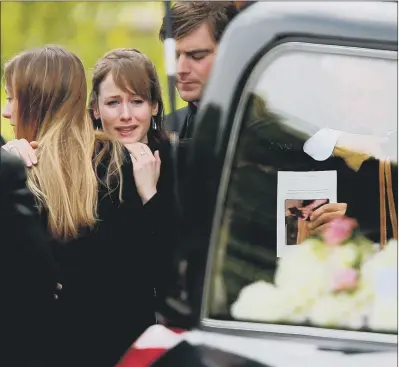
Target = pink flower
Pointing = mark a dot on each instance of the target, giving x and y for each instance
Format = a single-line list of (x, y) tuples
[(338, 230), (345, 280)]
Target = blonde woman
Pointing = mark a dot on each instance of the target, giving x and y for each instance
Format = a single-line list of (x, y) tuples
[(99, 202)]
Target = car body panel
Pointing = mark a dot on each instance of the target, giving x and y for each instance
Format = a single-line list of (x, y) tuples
[(255, 32)]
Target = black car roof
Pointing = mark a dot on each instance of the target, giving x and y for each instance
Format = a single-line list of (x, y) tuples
[(367, 12), (262, 23)]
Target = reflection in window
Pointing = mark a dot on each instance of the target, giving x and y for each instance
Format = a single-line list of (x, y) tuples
[(349, 93), (298, 96)]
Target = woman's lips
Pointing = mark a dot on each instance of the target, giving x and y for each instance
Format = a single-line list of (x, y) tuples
[(126, 131)]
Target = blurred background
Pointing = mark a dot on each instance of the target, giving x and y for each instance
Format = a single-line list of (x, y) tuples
[(87, 28)]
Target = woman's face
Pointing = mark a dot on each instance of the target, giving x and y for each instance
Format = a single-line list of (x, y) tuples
[(125, 116), (9, 110)]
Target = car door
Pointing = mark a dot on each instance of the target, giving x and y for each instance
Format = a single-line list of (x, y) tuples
[(301, 92)]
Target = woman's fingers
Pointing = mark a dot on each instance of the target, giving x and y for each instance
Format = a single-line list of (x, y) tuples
[(145, 170), (26, 152), (23, 149), (322, 219), (326, 214), (30, 152), (34, 144), (146, 150), (140, 152), (157, 162), (328, 208), (317, 230), (133, 151)]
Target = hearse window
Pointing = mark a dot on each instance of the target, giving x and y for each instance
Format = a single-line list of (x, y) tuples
[(317, 127)]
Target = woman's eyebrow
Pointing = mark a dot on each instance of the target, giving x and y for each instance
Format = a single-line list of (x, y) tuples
[(112, 96)]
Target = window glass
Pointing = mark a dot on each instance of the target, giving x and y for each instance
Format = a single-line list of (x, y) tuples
[(308, 231)]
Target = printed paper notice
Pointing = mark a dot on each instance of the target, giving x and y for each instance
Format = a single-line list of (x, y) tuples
[(298, 195)]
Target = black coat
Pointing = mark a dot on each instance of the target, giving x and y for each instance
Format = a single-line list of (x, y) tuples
[(110, 274), (364, 204), (28, 275)]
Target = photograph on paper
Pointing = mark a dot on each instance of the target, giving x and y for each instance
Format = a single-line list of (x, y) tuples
[(299, 194), (297, 218)]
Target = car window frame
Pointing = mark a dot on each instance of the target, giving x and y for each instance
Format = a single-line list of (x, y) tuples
[(249, 328)]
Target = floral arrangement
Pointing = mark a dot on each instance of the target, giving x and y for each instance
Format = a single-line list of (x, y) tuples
[(336, 279)]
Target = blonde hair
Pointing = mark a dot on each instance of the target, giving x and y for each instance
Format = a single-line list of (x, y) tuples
[(50, 91)]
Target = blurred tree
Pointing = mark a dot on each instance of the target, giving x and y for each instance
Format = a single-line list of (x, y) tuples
[(87, 28)]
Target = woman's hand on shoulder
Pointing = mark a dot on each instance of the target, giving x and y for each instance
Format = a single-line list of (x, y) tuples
[(23, 149), (146, 169)]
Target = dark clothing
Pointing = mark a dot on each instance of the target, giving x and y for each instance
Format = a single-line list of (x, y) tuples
[(110, 274), (28, 274), (185, 118), (185, 121), (364, 204)]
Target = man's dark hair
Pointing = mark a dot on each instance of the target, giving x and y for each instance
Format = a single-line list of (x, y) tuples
[(189, 15)]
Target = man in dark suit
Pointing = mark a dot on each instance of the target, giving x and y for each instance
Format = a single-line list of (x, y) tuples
[(28, 279), (197, 28)]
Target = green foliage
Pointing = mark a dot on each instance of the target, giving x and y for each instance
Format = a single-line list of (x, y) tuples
[(89, 29)]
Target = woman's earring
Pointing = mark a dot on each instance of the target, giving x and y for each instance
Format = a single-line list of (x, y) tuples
[(153, 122), (98, 124)]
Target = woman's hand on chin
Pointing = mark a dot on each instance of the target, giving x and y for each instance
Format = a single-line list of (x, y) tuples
[(146, 169)]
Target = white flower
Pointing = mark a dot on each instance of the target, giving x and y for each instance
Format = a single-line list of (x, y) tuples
[(379, 272), (338, 310), (262, 301), (344, 256), (326, 312), (386, 257), (303, 288), (384, 315), (304, 272), (297, 303), (259, 302), (379, 284)]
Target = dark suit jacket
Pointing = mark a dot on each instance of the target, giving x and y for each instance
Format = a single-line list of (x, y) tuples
[(28, 276), (185, 121)]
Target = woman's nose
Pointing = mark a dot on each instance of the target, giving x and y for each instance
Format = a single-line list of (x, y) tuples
[(126, 113), (6, 113)]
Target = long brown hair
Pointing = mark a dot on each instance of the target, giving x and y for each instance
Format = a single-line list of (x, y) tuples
[(133, 72), (50, 90)]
